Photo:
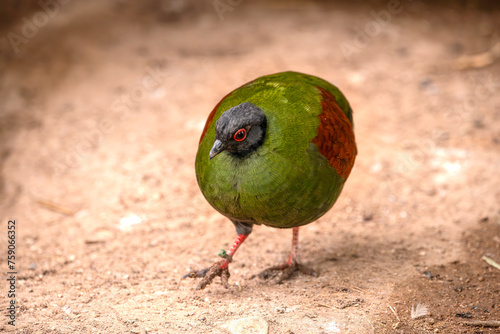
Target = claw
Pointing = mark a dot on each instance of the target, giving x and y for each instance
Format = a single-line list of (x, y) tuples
[(196, 273), (225, 278), (219, 268)]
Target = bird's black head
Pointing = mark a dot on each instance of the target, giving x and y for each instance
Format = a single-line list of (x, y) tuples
[(239, 130)]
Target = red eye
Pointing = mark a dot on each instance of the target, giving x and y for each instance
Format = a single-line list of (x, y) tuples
[(240, 135)]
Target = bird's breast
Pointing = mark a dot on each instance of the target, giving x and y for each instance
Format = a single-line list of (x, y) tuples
[(270, 188)]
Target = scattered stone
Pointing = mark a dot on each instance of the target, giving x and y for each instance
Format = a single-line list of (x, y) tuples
[(99, 237), (250, 325), (127, 222), (367, 215), (428, 274), (280, 309)]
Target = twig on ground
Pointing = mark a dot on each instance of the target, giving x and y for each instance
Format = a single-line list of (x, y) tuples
[(490, 323), (359, 289), (478, 60), (373, 327), (394, 311), (491, 262), (55, 207), (324, 305)]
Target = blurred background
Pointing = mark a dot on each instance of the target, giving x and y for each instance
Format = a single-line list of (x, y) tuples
[(101, 107)]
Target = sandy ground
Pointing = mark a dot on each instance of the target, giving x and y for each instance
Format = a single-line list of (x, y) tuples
[(102, 105)]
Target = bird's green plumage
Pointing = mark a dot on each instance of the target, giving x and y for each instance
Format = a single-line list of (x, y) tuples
[(285, 182)]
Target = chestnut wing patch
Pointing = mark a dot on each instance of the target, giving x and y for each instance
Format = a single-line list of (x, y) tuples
[(335, 139)]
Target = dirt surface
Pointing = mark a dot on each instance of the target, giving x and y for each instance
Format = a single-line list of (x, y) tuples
[(102, 106)]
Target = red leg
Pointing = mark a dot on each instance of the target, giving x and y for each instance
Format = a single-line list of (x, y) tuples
[(291, 266), (239, 240), (219, 268)]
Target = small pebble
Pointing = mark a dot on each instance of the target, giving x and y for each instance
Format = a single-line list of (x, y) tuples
[(250, 325)]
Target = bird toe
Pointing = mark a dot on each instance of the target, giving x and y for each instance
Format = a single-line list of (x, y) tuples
[(286, 271), (219, 268), (197, 273)]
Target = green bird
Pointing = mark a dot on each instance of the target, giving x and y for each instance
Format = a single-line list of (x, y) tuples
[(276, 151)]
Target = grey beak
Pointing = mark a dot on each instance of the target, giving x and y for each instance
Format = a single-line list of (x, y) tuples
[(216, 149)]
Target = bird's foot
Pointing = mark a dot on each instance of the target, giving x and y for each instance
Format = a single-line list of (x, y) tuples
[(286, 271), (219, 268)]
